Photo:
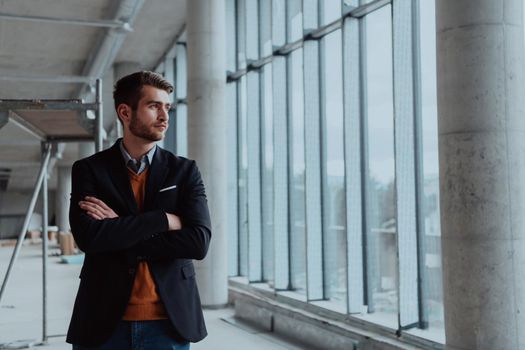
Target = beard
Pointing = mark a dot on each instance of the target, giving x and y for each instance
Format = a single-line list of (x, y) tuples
[(139, 129)]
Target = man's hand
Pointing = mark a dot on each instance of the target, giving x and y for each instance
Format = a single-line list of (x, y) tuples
[(173, 222), (97, 209)]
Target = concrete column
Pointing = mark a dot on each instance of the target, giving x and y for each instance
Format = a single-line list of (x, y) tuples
[(207, 134), (108, 106), (120, 70), (480, 75), (85, 149), (63, 192)]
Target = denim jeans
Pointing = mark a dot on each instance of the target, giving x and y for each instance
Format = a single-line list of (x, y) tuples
[(141, 335)]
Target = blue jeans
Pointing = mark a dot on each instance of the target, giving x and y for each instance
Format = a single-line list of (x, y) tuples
[(141, 335)]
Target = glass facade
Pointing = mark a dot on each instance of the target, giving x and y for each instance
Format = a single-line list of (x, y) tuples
[(333, 121)]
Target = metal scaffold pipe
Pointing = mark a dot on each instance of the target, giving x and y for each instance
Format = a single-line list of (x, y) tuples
[(30, 209)]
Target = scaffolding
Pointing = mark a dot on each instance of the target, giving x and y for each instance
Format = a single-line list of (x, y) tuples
[(78, 121)]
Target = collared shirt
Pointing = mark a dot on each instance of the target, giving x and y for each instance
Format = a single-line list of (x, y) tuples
[(137, 166)]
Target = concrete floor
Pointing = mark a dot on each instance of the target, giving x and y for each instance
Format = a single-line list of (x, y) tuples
[(21, 307)]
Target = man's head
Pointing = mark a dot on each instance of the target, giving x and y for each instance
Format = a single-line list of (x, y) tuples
[(128, 89), (142, 104)]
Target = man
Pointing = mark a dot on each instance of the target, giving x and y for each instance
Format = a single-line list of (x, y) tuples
[(140, 215)]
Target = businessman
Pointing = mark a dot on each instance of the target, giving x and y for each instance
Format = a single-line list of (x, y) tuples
[(140, 214)]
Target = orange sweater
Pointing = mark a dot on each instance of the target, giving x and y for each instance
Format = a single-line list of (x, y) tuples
[(144, 303)]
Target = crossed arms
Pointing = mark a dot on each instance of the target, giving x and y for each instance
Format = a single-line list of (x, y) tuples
[(154, 235)]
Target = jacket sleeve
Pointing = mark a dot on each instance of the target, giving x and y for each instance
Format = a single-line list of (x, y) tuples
[(193, 240), (97, 236)]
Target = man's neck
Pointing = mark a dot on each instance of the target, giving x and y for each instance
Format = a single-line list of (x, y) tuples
[(137, 147)]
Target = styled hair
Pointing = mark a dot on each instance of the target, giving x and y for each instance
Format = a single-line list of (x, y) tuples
[(128, 90)]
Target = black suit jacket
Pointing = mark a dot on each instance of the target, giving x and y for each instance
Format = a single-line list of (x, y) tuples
[(113, 247)]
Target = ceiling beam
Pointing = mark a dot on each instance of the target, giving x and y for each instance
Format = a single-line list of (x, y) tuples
[(124, 26), (41, 105), (107, 49), (48, 79)]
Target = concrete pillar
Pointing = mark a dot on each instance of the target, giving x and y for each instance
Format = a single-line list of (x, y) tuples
[(122, 69), (482, 171), (207, 134), (63, 192), (85, 149), (108, 107)]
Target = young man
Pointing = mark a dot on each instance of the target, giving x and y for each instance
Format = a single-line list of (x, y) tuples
[(140, 215)]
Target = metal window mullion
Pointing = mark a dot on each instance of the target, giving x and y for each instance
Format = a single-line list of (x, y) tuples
[(323, 136), (45, 245), (353, 165), (312, 130), (281, 175), (405, 167), (363, 86), (418, 147)]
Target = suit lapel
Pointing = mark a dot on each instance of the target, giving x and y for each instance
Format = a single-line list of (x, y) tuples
[(120, 178), (158, 171)]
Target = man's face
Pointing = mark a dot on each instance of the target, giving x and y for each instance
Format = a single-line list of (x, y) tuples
[(150, 120)]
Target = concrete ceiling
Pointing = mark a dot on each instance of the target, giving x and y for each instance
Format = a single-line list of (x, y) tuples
[(34, 53)]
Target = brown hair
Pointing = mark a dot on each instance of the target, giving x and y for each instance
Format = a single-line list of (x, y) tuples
[(128, 90)]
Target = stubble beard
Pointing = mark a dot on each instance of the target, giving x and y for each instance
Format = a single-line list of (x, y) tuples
[(139, 129)]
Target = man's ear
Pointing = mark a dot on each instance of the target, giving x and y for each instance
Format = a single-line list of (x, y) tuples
[(124, 112)]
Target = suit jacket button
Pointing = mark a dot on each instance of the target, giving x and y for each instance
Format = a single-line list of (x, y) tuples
[(131, 271)]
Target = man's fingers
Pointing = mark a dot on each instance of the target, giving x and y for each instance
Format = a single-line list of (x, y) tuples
[(91, 208), (94, 215), (97, 201), (98, 207)]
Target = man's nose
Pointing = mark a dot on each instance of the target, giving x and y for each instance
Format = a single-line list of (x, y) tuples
[(164, 114)]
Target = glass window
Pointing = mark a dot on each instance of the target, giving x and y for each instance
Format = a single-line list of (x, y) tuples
[(242, 147), (334, 200), (311, 14), (267, 173), (278, 22), (230, 36), (432, 231), (267, 144), (252, 30), (295, 20), (240, 18), (381, 238), (253, 131), (330, 11), (297, 178), (281, 217), (265, 28), (232, 227)]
